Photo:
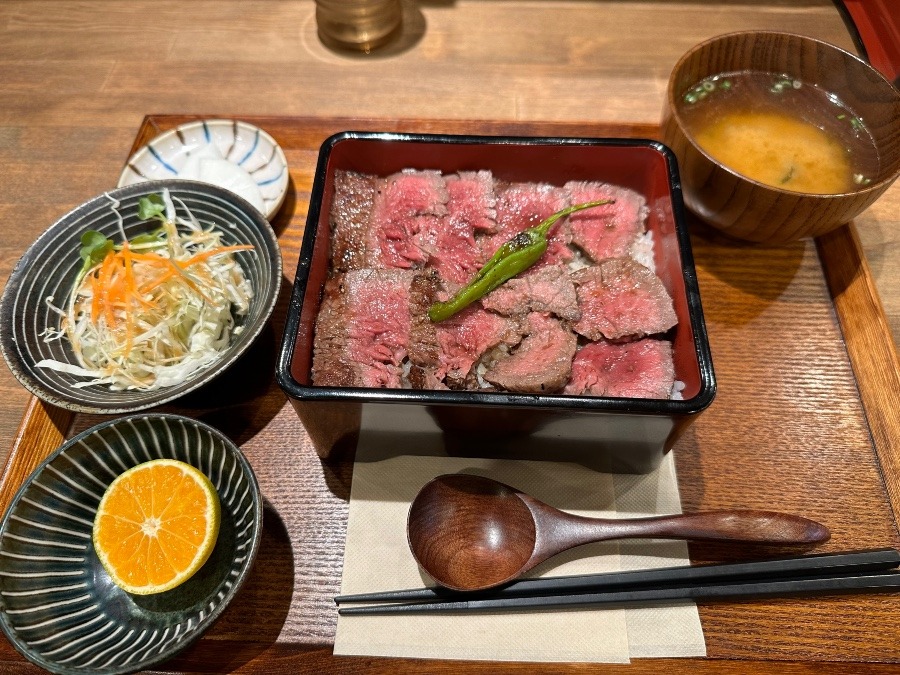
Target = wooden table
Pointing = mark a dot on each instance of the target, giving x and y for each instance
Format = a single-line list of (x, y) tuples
[(78, 79)]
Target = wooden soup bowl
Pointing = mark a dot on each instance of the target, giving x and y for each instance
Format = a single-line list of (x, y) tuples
[(744, 208)]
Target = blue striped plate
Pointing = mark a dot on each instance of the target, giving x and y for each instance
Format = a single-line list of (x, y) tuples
[(241, 143), (58, 605)]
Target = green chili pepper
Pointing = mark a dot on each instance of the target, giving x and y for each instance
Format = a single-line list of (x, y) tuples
[(513, 257)]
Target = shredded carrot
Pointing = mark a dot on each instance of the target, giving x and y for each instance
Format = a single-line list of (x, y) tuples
[(113, 284), (105, 275), (145, 316), (203, 255)]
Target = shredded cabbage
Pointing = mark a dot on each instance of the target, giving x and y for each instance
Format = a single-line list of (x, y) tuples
[(155, 310)]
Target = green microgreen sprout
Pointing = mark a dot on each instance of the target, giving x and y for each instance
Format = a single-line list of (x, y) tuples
[(94, 248), (152, 207)]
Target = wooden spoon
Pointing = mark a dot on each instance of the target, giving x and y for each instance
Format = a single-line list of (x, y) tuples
[(472, 533)]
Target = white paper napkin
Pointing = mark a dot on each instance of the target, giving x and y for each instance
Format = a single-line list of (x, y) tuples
[(377, 558)]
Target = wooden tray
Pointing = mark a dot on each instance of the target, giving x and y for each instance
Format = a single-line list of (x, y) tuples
[(806, 420)]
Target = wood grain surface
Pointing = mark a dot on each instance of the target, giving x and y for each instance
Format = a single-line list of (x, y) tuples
[(805, 353), (788, 431), (77, 78)]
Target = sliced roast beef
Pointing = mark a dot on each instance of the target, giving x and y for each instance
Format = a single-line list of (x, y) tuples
[(466, 337), (423, 345), (542, 363), (351, 209), (406, 214), (642, 369), (402, 242), (524, 205), (451, 248), (362, 330), (545, 289), (472, 200), (621, 298), (610, 230)]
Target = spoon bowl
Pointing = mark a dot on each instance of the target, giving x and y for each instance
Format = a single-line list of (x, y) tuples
[(473, 533), (488, 532)]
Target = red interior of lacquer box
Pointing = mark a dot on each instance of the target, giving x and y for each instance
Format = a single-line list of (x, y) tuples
[(878, 25), (643, 168)]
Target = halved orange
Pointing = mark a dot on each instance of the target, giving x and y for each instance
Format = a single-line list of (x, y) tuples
[(156, 525)]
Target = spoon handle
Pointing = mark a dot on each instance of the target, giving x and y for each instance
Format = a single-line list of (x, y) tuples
[(558, 530), (765, 527)]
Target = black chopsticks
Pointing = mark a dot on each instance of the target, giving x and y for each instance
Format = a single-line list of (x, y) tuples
[(732, 591), (853, 571)]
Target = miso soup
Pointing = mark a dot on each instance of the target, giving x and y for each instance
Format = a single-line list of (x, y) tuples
[(780, 131)]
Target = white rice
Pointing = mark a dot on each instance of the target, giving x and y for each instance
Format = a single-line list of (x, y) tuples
[(642, 250)]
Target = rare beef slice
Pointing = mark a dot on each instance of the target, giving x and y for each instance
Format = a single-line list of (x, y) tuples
[(609, 230), (472, 199), (363, 329), (620, 298), (471, 208), (466, 337), (406, 212), (542, 363), (641, 369), (545, 289)]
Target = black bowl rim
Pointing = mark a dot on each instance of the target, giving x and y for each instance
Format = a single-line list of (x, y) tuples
[(256, 498), (585, 404), (273, 288)]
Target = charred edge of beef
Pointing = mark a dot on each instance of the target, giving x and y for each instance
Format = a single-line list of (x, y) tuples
[(351, 210), (542, 363)]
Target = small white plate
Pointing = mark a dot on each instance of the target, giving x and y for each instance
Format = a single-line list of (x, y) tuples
[(242, 144)]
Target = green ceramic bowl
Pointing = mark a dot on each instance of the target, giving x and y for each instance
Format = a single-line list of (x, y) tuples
[(58, 605)]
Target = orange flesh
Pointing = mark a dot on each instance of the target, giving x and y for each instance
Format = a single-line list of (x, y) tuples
[(153, 525)]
